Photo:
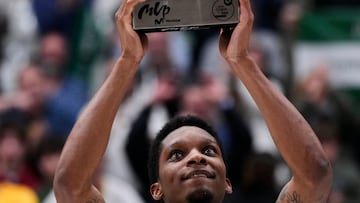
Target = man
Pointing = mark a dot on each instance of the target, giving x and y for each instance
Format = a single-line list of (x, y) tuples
[(190, 164)]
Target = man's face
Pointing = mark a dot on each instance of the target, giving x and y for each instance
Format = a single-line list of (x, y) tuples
[(191, 168)]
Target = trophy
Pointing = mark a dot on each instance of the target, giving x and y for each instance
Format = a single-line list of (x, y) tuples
[(182, 15)]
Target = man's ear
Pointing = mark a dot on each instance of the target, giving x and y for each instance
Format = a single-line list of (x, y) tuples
[(156, 191), (228, 186)]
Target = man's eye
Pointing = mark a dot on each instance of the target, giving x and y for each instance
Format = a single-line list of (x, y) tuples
[(175, 155), (209, 150)]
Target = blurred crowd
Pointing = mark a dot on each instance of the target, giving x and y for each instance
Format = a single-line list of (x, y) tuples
[(54, 54)]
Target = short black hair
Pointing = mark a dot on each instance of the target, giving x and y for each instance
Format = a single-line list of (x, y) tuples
[(14, 119), (173, 124)]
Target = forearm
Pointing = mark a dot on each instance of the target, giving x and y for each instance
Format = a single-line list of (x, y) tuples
[(88, 139), (294, 138)]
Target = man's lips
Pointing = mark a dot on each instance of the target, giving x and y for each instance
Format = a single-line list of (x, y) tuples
[(198, 174)]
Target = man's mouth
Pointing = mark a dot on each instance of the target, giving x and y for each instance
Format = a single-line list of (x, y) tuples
[(198, 174)]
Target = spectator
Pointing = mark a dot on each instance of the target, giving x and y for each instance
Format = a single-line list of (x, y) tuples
[(258, 183), (13, 165), (64, 95), (317, 99), (167, 50), (29, 98), (48, 154), (26, 95), (58, 15), (346, 187)]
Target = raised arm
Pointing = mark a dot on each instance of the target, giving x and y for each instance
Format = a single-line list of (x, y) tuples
[(88, 139), (296, 141)]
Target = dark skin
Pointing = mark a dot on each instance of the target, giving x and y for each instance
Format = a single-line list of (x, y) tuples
[(193, 159)]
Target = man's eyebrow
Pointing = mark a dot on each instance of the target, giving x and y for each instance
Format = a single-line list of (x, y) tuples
[(179, 143), (211, 141), (175, 144)]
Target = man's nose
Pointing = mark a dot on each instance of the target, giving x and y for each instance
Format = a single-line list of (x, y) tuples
[(196, 157)]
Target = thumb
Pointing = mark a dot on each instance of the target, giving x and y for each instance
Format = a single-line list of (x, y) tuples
[(224, 39)]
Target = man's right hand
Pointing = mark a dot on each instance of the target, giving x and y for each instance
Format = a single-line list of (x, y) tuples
[(133, 44)]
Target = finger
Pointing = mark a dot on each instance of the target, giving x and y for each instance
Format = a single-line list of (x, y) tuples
[(121, 8), (225, 34), (221, 38), (128, 9), (224, 38), (144, 40), (122, 5), (246, 13)]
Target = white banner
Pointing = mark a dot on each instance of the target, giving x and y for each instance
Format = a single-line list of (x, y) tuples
[(342, 59)]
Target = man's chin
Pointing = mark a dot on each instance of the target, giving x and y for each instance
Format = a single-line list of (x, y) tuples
[(200, 196)]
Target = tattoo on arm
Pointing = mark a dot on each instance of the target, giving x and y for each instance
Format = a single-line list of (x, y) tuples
[(287, 197), (95, 200), (293, 197)]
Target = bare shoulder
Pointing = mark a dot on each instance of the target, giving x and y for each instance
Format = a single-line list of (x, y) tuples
[(293, 195)]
